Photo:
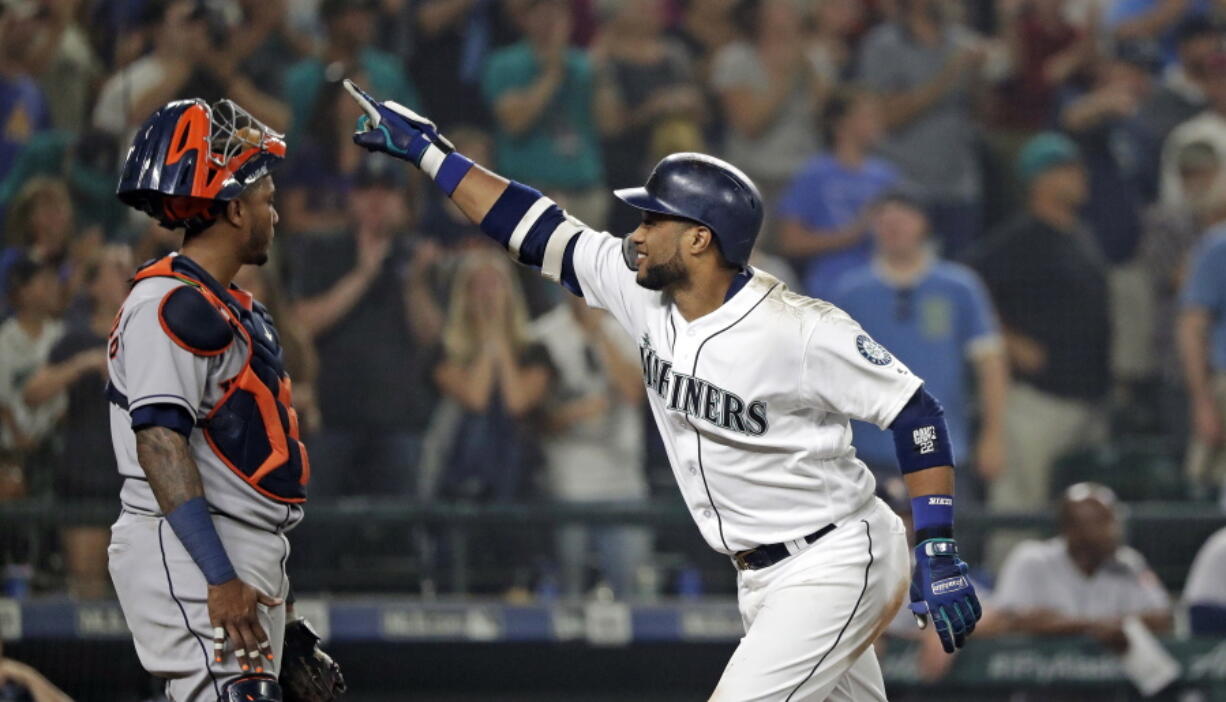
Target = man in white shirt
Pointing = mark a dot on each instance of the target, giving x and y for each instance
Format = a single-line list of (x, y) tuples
[(1083, 582)]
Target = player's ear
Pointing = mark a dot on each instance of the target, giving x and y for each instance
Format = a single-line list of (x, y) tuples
[(234, 212), (700, 239)]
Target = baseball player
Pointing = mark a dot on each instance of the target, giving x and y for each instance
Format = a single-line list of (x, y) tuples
[(203, 423), (751, 387)]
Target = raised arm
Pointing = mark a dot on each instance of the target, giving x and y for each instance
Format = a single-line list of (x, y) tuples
[(533, 228)]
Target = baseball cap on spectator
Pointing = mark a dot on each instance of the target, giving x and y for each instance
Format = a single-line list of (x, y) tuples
[(1043, 152)]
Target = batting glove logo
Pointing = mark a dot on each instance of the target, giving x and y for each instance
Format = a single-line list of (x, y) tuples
[(940, 591)]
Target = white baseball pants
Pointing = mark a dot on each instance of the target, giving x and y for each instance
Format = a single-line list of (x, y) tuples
[(811, 619)]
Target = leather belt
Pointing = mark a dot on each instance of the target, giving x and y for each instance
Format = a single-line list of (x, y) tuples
[(770, 554)]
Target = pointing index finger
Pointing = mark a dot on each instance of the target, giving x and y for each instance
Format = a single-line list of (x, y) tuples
[(365, 101)]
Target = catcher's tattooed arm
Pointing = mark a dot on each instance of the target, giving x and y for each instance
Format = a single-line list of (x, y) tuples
[(165, 457)]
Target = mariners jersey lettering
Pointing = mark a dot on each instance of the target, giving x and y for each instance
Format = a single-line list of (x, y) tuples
[(761, 450), (147, 367)]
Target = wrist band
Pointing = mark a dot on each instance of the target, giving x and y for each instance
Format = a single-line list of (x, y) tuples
[(193, 524), (445, 169), (933, 517)]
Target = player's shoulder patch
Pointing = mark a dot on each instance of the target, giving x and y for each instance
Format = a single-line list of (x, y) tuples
[(192, 322), (873, 352)]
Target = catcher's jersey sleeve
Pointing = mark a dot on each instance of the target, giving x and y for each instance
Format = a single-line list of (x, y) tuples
[(848, 373), (156, 370)]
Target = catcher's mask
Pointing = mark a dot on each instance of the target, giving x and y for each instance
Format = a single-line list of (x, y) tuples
[(189, 159)]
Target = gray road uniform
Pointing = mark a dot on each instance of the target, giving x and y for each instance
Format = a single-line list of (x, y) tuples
[(157, 374)]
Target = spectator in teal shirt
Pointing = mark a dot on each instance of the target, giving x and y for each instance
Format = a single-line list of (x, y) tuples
[(543, 93), (349, 25)]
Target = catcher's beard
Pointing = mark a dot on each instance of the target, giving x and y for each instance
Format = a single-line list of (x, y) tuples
[(255, 252), (662, 275)]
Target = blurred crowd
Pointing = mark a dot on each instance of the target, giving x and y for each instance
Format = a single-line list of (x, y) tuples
[(1025, 200)]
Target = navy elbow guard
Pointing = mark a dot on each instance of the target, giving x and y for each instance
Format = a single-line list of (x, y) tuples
[(536, 232), (921, 437)]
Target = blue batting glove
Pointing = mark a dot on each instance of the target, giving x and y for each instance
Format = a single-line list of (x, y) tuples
[(941, 590), (392, 128)]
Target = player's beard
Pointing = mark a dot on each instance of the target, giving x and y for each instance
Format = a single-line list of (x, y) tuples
[(662, 275), (258, 243)]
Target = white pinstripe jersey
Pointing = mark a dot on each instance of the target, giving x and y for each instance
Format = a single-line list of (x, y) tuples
[(752, 399)]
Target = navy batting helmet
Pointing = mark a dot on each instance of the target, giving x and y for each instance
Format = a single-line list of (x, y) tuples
[(709, 191), (188, 158)]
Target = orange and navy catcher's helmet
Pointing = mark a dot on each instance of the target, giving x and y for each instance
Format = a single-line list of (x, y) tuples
[(188, 159)]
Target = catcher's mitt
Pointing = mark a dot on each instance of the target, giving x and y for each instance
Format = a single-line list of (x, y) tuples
[(307, 673)]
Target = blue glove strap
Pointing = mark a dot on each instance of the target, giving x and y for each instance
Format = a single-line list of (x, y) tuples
[(193, 524), (933, 517), (417, 146)]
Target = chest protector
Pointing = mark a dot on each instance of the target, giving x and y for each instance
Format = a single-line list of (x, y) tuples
[(253, 429)]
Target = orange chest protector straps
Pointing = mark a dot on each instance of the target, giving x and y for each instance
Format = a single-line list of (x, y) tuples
[(253, 428)]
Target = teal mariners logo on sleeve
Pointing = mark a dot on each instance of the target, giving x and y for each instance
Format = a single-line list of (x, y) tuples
[(873, 352)]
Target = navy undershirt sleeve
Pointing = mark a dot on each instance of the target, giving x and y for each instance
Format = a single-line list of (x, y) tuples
[(171, 416)]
